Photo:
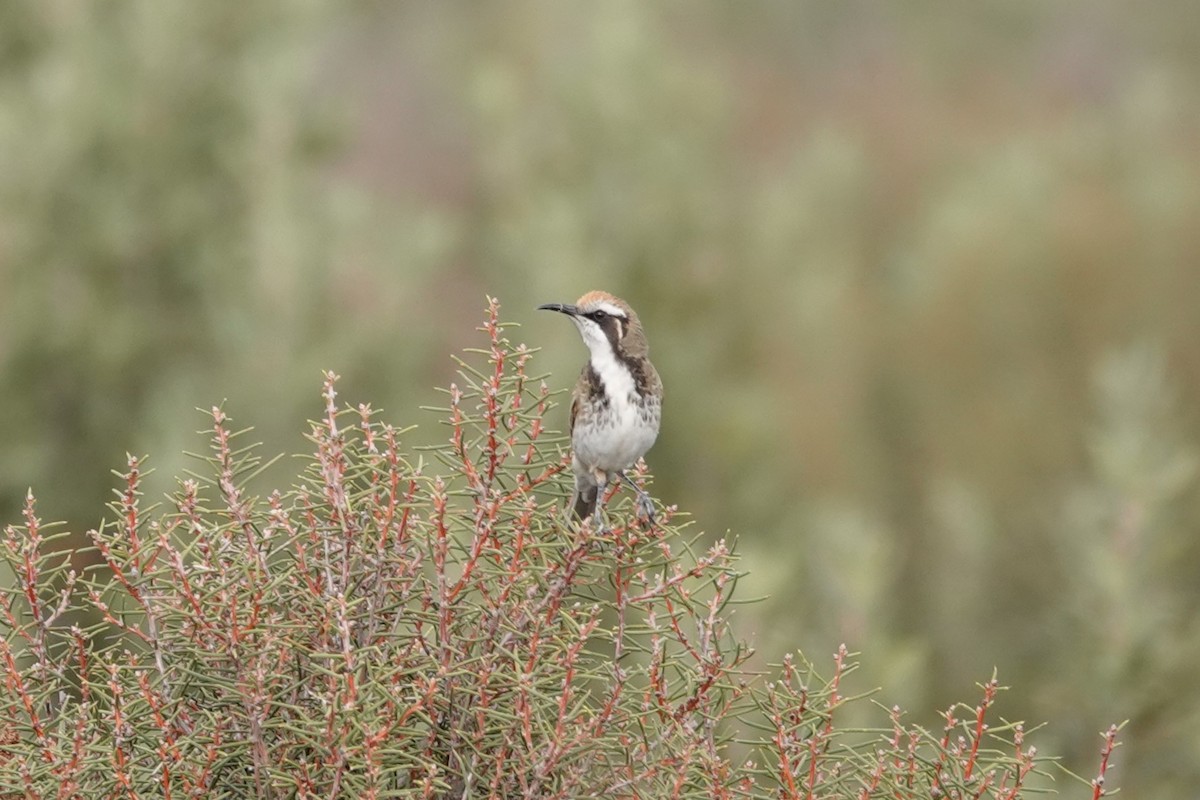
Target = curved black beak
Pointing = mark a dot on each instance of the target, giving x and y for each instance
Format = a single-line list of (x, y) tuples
[(562, 308)]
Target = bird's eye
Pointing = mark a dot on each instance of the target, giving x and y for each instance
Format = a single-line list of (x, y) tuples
[(598, 315)]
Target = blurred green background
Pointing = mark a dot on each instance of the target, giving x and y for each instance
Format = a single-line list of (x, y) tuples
[(921, 280)]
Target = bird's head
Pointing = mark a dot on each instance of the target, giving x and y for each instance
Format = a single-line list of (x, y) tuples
[(606, 323)]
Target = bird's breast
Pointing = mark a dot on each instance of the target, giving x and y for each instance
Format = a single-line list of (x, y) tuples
[(616, 423), (614, 436)]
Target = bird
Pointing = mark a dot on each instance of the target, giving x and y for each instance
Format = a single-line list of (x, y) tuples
[(616, 406)]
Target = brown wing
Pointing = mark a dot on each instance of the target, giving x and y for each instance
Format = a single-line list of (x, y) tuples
[(574, 413)]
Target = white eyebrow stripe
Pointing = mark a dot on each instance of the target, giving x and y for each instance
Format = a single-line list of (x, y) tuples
[(610, 309)]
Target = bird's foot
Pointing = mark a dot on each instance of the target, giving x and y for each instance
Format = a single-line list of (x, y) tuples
[(598, 521), (645, 506)]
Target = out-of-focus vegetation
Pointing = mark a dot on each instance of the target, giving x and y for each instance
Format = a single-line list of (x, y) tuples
[(922, 283)]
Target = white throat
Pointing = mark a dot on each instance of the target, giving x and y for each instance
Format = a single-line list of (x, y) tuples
[(614, 374)]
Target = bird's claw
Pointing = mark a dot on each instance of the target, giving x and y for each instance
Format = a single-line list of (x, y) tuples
[(645, 507)]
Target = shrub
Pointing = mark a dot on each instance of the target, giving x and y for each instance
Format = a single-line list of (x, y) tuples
[(400, 627)]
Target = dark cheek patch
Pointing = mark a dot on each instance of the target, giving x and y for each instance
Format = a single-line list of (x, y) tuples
[(612, 327)]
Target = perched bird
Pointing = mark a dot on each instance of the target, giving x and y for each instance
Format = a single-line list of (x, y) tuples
[(617, 402)]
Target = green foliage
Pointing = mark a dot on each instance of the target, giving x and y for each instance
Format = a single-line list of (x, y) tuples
[(384, 630), (164, 228)]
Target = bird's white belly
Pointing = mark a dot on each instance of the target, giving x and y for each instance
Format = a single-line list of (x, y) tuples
[(618, 436)]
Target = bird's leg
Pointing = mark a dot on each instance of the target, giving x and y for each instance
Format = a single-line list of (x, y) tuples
[(601, 485), (645, 505)]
